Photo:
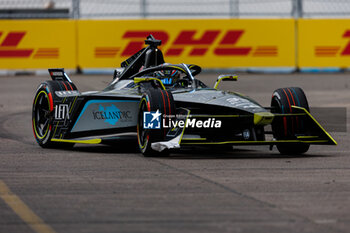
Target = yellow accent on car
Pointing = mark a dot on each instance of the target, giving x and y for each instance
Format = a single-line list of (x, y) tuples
[(329, 136), (178, 68), (228, 116), (225, 77), (263, 118), (47, 130), (139, 80), (86, 141), (301, 137), (254, 142), (138, 127), (194, 139), (183, 130)]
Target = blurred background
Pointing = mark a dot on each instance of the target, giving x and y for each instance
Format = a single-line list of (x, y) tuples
[(261, 35), (138, 9)]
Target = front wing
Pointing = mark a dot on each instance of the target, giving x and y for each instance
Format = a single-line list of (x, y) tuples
[(316, 134)]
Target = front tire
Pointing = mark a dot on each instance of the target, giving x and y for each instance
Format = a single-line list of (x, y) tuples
[(286, 128), (154, 100)]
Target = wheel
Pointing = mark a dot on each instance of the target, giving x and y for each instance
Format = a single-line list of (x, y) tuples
[(286, 128), (43, 115), (161, 104)]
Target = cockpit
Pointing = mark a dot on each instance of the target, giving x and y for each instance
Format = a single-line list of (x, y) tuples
[(173, 77)]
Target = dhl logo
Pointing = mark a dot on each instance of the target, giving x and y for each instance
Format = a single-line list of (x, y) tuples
[(332, 51), (226, 44), (9, 47)]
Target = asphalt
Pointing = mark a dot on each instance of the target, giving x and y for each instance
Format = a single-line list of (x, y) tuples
[(115, 189)]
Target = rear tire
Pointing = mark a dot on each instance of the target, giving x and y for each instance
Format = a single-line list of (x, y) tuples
[(43, 115), (286, 128), (154, 100)]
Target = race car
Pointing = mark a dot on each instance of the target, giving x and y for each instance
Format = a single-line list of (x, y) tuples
[(166, 108)]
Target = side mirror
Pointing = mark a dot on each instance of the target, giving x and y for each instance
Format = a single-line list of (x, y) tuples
[(225, 77)]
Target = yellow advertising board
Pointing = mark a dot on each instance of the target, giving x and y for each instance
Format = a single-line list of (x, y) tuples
[(37, 44), (210, 43), (324, 43)]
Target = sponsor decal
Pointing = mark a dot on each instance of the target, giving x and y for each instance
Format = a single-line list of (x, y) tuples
[(111, 114), (332, 51), (199, 43), (246, 134), (56, 73), (9, 47), (66, 93), (62, 112), (151, 120), (242, 103), (107, 114), (192, 123)]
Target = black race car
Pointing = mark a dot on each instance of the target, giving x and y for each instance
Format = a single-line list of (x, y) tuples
[(166, 108)]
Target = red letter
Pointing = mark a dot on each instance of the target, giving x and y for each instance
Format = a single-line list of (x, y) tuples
[(231, 38), (346, 51), (185, 38), (13, 39), (139, 37)]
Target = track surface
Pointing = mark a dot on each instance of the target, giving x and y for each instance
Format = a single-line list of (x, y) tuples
[(114, 189)]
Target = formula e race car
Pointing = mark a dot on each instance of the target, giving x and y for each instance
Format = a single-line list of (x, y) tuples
[(165, 107)]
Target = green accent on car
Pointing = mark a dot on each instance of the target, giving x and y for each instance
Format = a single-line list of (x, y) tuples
[(83, 141), (139, 80), (225, 77), (263, 118)]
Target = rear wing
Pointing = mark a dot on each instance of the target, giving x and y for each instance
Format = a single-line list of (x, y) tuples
[(58, 74)]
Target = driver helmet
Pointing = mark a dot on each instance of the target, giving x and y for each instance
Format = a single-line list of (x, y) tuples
[(168, 77)]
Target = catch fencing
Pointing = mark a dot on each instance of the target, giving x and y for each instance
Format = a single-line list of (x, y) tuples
[(136, 9), (225, 34)]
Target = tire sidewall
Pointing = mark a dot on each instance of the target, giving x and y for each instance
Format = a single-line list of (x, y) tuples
[(154, 99), (281, 126), (45, 140)]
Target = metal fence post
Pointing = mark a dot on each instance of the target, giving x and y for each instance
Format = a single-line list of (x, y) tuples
[(143, 5), (76, 9), (234, 8), (297, 11)]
